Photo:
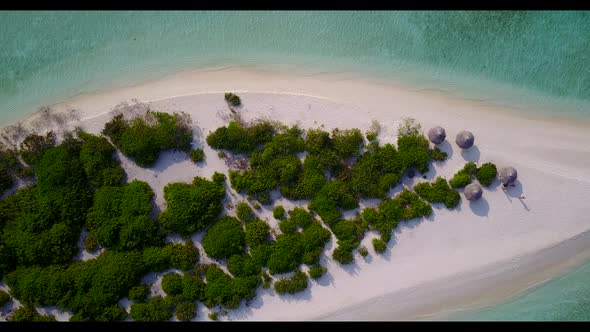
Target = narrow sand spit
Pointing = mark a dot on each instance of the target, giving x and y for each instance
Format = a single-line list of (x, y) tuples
[(478, 253)]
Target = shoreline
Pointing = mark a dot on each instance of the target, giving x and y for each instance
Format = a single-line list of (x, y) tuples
[(547, 154)]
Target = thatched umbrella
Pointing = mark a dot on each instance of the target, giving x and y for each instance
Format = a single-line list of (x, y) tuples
[(507, 175), (464, 139), (437, 135), (473, 192)]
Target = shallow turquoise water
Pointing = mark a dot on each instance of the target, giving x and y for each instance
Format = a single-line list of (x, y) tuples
[(563, 299), (506, 57), (47, 56)]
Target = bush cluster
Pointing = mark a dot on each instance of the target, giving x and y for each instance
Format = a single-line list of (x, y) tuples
[(232, 99), (10, 168), (34, 146), (197, 155), (157, 309), (29, 314), (139, 293), (297, 283), (144, 137), (317, 271), (333, 196), (278, 212), (349, 234), (119, 218), (486, 174), (223, 290), (463, 176), (438, 192), (376, 171), (244, 212), (192, 207), (225, 238), (4, 298), (240, 138), (172, 284)]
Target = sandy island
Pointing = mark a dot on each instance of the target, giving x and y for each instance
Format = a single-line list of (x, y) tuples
[(472, 256)]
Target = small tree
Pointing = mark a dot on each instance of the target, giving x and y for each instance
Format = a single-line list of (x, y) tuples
[(232, 99)]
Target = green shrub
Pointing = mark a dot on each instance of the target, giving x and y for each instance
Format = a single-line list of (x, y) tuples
[(191, 207), (287, 226), (297, 283), (414, 152), (438, 192), (221, 289), (376, 171), (379, 245), (363, 251), (257, 233), (154, 310), (185, 311), (317, 271), (29, 314), (232, 99), (460, 180), (182, 257), (96, 156), (193, 287), (238, 138), (11, 167), (197, 155), (144, 137), (119, 218), (278, 212), (438, 155), (139, 293), (334, 195), (286, 254), (34, 146), (4, 298), (242, 266), (172, 284), (343, 254), (371, 135), (225, 238), (486, 174), (244, 212), (219, 178), (404, 206), (221, 154), (213, 316)]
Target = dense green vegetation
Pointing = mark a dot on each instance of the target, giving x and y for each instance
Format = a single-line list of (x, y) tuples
[(232, 99), (317, 271), (404, 206), (240, 138), (197, 155), (278, 212), (438, 192), (144, 137), (225, 238), (191, 207), (80, 185), (486, 174), (119, 218), (297, 283), (244, 212)]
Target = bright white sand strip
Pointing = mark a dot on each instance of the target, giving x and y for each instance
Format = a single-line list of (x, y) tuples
[(483, 250)]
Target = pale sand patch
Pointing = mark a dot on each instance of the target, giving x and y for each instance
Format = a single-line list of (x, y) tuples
[(469, 244)]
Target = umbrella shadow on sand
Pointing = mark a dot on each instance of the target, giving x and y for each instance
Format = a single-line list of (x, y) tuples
[(471, 154), (515, 190)]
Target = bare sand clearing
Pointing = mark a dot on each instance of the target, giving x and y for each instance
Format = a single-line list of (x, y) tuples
[(474, 255)]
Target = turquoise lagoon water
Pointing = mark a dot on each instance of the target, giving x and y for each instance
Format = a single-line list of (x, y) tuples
[(502, 57), (566, 298), (535, 56)]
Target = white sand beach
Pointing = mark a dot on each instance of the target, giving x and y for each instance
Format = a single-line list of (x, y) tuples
[(474, 255)]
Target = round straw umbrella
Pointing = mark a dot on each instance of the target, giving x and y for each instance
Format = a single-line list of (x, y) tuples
[(437, 135), (465, 139), (473, 192), (507, 175)]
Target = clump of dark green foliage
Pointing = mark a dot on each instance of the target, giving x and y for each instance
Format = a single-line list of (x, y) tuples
[(463, 176), (192, 207), (278, 212), (244, 212), (34, 146), (139, 293), (317, 271), (225, 238), (297, 283), (11, 168), (438, 192), (4, 298), (240, 138), (232, 99), (29, 314), (486, 174), (144, 137), (197, 155)]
